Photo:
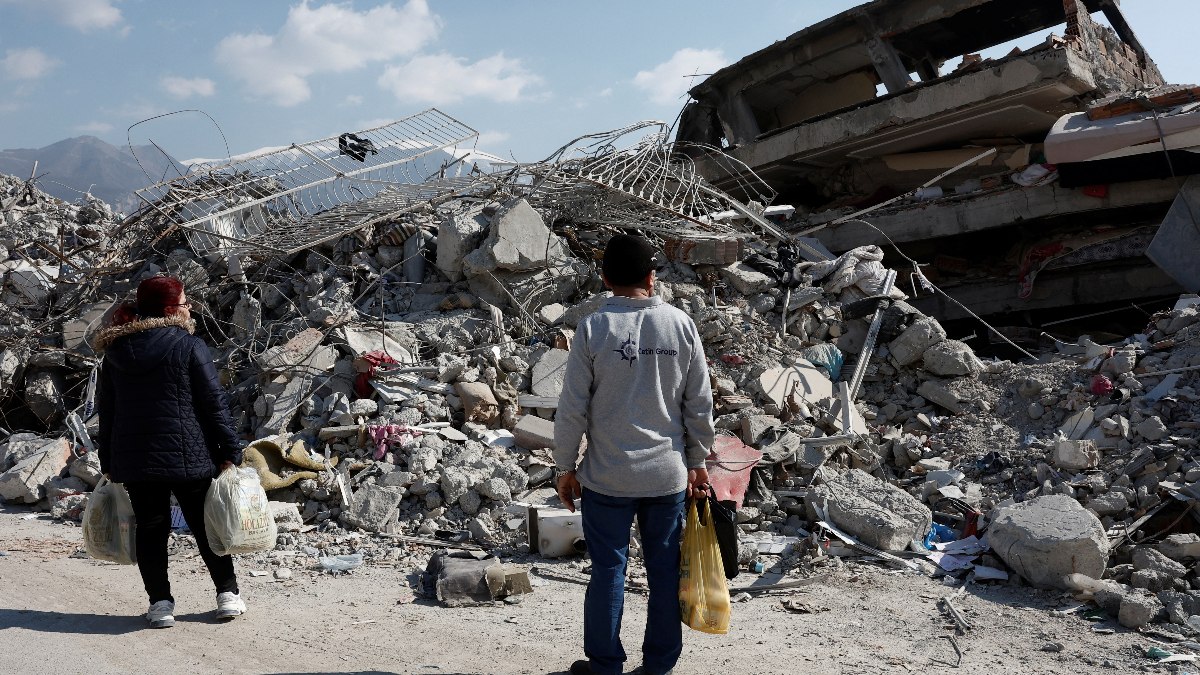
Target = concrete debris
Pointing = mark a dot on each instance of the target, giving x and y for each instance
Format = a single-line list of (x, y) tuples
[(416, 401), (1048, 538)]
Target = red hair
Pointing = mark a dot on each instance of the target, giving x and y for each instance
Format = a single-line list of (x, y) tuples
[(154, 295)]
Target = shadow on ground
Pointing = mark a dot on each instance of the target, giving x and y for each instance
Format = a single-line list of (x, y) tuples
[(67, 623)]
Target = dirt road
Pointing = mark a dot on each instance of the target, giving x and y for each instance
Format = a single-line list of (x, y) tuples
[(65, 614)]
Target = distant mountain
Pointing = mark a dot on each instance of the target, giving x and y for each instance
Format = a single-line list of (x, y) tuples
[(73, 166)]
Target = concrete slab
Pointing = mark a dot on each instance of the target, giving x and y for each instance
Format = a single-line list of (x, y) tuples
[(1049, 537)]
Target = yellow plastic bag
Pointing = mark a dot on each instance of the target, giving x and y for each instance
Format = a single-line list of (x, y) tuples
[(109, 526), (703, 595)]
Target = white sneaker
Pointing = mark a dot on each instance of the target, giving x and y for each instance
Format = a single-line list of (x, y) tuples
[(230, 605), (161, 614)]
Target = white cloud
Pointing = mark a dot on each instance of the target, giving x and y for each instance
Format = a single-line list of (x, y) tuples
[(332, 38), (605, 92), (82, 15), (444, 78), (493, 138), (668, 81), (94, 128), (352, 100), (29, 63), (184, 87)]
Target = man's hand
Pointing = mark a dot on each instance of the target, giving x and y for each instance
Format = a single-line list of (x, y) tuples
[(698, 483), (569, 489)]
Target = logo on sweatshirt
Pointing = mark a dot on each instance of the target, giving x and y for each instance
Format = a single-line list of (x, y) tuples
[(629, 351)]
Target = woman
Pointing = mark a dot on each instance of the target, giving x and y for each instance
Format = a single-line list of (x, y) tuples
[(165, 429)]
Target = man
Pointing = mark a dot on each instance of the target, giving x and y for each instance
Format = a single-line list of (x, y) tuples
[(636, 385)]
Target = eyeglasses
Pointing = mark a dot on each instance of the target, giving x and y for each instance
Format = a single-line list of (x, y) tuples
[(187, 304)]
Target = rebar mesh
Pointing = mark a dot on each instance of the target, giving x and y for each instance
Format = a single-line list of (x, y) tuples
[(289, 199)]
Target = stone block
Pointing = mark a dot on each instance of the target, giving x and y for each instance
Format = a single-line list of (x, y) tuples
[(374, 507), (1074, 455), (23, 483), (287, 516), (459, 234), (555, 283), (86, 468), (1049, 537), (303, 352), (1108, 504), (1137, 610), (939, 394), (806, 382), (549, 371), (745, 279), (479, 403), (518, 241), (286, 396), (877, 513), (910, 345), (533, 432), (1180, 546), (44, 395), (1145, 558), (1151, 428), (754, 426), (951, 358)]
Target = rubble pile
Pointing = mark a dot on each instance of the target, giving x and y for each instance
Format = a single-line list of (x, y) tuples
[(399, 384)]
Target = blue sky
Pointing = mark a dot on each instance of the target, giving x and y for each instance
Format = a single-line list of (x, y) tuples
[(528, 75)]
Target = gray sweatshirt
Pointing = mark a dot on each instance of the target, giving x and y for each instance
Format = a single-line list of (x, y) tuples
[(636, 385)]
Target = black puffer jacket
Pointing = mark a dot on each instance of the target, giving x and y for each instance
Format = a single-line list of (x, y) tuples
[(163, 414)]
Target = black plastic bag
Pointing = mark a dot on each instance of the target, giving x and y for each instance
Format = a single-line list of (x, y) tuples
[(724, 515)]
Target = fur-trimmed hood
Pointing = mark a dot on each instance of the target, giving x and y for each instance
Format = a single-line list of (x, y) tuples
[(108, 335)]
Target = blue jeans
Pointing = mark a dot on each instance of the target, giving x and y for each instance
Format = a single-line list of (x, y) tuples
[(606, 523)]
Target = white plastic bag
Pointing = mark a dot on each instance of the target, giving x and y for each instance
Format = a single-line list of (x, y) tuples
[(237, 516), (109, 526)]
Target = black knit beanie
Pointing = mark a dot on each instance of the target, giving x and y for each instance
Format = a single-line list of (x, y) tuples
[(627, 260)]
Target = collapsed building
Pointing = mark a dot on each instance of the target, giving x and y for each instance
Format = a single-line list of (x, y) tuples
[(391, 317), (1014, 180)]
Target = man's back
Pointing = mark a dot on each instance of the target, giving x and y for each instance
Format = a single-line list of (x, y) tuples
[(637, 386)]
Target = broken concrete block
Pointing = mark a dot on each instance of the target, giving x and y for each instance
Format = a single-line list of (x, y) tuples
[(745, 279), (937, 393), (1108, 504), (1074, 455), (1137, 610), (459, 234), (549, 372), (12, 370), (479, 403), (551, 313), (556, 282), (803, 380), (23, 482), (518, 241), (1180, 546), (533, 432), (1077, 425), (24, 445), (374, 507), (1150, 559), (78, 331), (44, 395), (286, 397), (879, 514), (303, 352), (910, 345), (86, 468), (1151, 428), (287, 516), (951, 358), (1049, 537), (754, 426)]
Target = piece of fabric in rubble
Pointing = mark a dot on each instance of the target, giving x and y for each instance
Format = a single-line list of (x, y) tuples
[(362, 383), (861, 267), (386, 434)]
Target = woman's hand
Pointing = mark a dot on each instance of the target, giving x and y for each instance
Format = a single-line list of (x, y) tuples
[(225, 466)]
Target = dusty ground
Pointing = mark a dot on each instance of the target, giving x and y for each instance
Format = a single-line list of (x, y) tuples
[(64, 614)]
